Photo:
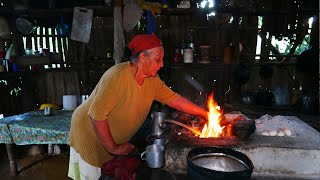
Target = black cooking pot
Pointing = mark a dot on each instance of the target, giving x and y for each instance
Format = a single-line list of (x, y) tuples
[(241, 74), (263, 97), (212, 163), (308, 62), (266, 71)]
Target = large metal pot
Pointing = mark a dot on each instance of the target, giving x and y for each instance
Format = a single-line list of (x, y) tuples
[(206, 163)]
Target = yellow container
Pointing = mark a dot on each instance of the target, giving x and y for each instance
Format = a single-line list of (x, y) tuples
[(54, 106)]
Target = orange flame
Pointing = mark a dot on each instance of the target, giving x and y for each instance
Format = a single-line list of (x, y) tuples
[(212, 128)]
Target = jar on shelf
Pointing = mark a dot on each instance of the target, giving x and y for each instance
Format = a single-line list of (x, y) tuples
[(188, 55)]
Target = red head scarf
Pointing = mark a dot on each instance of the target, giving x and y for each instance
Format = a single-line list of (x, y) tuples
[(144, 42)]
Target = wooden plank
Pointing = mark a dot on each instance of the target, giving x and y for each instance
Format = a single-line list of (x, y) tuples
[(46, 31), (49, 87), (53, 32), (29, 99), (65, 47), (61, 88), (67, 82), (34, 39), (28, 42), (76, 82), (41, 89), (71, 50), (59, 46), (41, 37)]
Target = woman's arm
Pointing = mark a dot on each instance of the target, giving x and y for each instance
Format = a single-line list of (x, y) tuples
[(102, 130), (183, 104)]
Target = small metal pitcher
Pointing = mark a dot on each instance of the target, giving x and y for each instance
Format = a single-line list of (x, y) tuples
[(158, 122), (160, 140)]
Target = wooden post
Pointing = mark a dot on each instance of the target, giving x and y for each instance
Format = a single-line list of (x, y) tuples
[(13, 164)]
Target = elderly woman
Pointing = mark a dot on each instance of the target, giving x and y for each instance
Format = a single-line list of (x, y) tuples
[(103, 125)]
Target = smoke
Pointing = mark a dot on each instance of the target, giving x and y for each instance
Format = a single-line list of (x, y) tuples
[(194, 83)]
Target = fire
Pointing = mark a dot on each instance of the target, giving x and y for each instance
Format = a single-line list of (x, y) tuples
[(212, 128)]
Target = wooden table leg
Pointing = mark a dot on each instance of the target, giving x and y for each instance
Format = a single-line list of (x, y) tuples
[(13, 163)]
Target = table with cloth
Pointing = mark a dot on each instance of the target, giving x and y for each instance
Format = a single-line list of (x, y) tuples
[(34, 128)]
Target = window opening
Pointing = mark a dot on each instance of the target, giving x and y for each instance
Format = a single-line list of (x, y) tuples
[(39, 42)]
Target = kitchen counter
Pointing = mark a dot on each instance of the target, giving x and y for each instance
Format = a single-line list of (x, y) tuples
[(254, 112)]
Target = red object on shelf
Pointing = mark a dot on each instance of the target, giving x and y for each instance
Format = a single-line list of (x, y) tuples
[(45, 52), (177, 56), (2, 53)]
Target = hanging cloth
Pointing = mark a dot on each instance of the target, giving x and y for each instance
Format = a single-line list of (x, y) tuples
[(151, 25)]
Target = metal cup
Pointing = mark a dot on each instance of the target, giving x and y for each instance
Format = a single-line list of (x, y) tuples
[(47, 111), (83, 98), (154, 156)]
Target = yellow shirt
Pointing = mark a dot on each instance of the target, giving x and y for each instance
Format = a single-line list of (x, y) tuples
[(119, 99)]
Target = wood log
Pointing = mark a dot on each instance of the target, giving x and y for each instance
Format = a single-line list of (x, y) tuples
[(243, 128)]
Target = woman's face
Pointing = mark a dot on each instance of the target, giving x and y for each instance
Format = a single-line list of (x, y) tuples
[(152, 61)]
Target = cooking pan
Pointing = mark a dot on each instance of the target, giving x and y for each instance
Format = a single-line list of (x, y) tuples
[(26, 25), (206, 163)]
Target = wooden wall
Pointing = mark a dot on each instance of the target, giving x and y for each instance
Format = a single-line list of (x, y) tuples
[(85, 63), (27, 91)]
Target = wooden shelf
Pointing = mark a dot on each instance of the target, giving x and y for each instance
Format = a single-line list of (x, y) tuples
[(212, 65), (275, 63), (45, 13), (38, 60), (237, 11), (6, 75)]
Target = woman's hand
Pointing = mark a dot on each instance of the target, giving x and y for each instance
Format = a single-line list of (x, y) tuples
[(122, 149)]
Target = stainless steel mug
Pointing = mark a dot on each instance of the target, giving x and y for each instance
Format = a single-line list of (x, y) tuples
[(47, 111), (83, 98), (154, 156), (6, 64)]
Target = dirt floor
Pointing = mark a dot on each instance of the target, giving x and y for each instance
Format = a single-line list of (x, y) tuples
[(39, 167), (55, 167)]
